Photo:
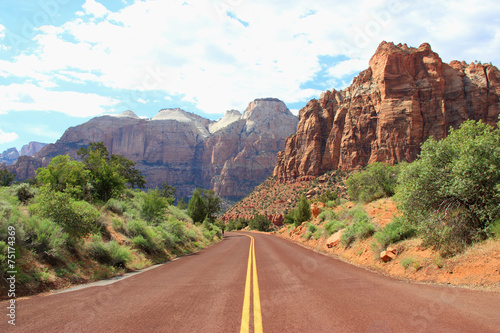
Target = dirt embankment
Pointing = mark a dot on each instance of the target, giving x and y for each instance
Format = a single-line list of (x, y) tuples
[(477, 267)]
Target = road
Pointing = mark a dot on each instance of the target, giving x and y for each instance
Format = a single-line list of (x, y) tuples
[(259, 283)]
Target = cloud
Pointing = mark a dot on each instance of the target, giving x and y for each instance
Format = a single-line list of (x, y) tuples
[(94, 8), (221, 55), (2, 31), (7, 137), (26, 97)]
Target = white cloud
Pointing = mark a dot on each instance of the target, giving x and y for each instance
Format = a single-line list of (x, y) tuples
[(25, 97), (6, 137), (193, 49), (2, 31), (94, 8)]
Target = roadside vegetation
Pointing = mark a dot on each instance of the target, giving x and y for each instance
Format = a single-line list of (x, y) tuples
[(87, 220)]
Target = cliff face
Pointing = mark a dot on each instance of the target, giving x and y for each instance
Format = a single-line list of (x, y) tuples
[(231, 156), (404, 97)]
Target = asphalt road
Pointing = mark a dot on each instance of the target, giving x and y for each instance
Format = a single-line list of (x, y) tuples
[(258, 283)]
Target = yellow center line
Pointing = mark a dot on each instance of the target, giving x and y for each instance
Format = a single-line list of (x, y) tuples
[(257, 314)]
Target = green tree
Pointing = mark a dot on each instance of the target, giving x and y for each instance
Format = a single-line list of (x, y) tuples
[(451, 193), (169, 192), (64, 174), (6, 177), (212, 204), (196, 207), (108, 174), (181, 204), (260, 223), (303, 211)]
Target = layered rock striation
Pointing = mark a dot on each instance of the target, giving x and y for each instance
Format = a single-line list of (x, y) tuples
[(404, 97), (231, 155)]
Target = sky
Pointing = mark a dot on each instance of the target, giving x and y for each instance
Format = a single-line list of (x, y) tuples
[(63, 62)]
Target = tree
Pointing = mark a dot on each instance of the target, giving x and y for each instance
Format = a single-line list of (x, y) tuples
[(260, 223), (303, 211), (64, 174), (196, 207), (181, 204), (108, 174), (168, 191), (451, 193), (212, 204), (6, 177)]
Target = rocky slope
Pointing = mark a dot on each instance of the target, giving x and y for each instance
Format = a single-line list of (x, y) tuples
[(231, 156), (404, 97)]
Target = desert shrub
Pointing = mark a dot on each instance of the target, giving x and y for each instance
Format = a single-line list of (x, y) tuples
[(44, 235), (451, 193), (115, 206), (233, 225), (260, 222), (333, 226), (153, 207), (78, 218), (176, 228), (494, 229), (317, 234), (109, 253), (377, 181), (24, 192), (360, 227), (328, 196), (5, 210), (178, 213), (327, 215), (393, 232), (6, 177), (117, 224)]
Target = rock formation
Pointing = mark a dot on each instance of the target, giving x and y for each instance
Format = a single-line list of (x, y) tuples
[(11, 155), (231, 156), (404, 97)]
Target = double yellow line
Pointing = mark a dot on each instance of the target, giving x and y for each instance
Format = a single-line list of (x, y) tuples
[(257, 314)]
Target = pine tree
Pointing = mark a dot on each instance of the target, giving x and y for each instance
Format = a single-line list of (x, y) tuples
[(303, 212), (196, 207)]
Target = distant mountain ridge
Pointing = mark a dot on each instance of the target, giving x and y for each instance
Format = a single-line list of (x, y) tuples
[(11, 155), (231, 155)]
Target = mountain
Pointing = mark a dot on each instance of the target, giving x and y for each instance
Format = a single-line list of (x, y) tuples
[(405, 96), (231, 155), (11, 155)]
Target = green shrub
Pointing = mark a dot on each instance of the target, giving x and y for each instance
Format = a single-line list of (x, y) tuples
[(450, 194), (494, 229), (260, 223), (109, 253), (176, 228), (327, 215), (318, 233), (115, 206), (44, 235), (358, 230), (303, 211), (393, 232), (117, 224), (332, 227), (24, 192), (153, 207), (78, 218), (5, 210), (377, 181), (407, 262)]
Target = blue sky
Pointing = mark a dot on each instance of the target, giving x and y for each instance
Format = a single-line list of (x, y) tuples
[(63, 62)]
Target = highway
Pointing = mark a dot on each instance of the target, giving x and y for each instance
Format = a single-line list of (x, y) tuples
[(252, 282)]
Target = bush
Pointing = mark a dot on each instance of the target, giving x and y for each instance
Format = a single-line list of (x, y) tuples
[(332, 227), (327, 215), (176, 228), (115, 206), (24, 192), (311, 229), (393, 232), (5, 210), (303, 211), (109, 253), (78, 218), (451, 193), (377, 181), (360, 228), (45, 236), (153, 207), (260, 223), (6, 177)]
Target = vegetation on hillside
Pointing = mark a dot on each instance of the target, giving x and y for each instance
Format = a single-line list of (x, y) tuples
[(83, 221)]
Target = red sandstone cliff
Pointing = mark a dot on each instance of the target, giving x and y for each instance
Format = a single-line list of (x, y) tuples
[(404, 97)]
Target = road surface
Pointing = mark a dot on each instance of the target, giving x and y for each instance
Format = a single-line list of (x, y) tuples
[(258, 283)]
